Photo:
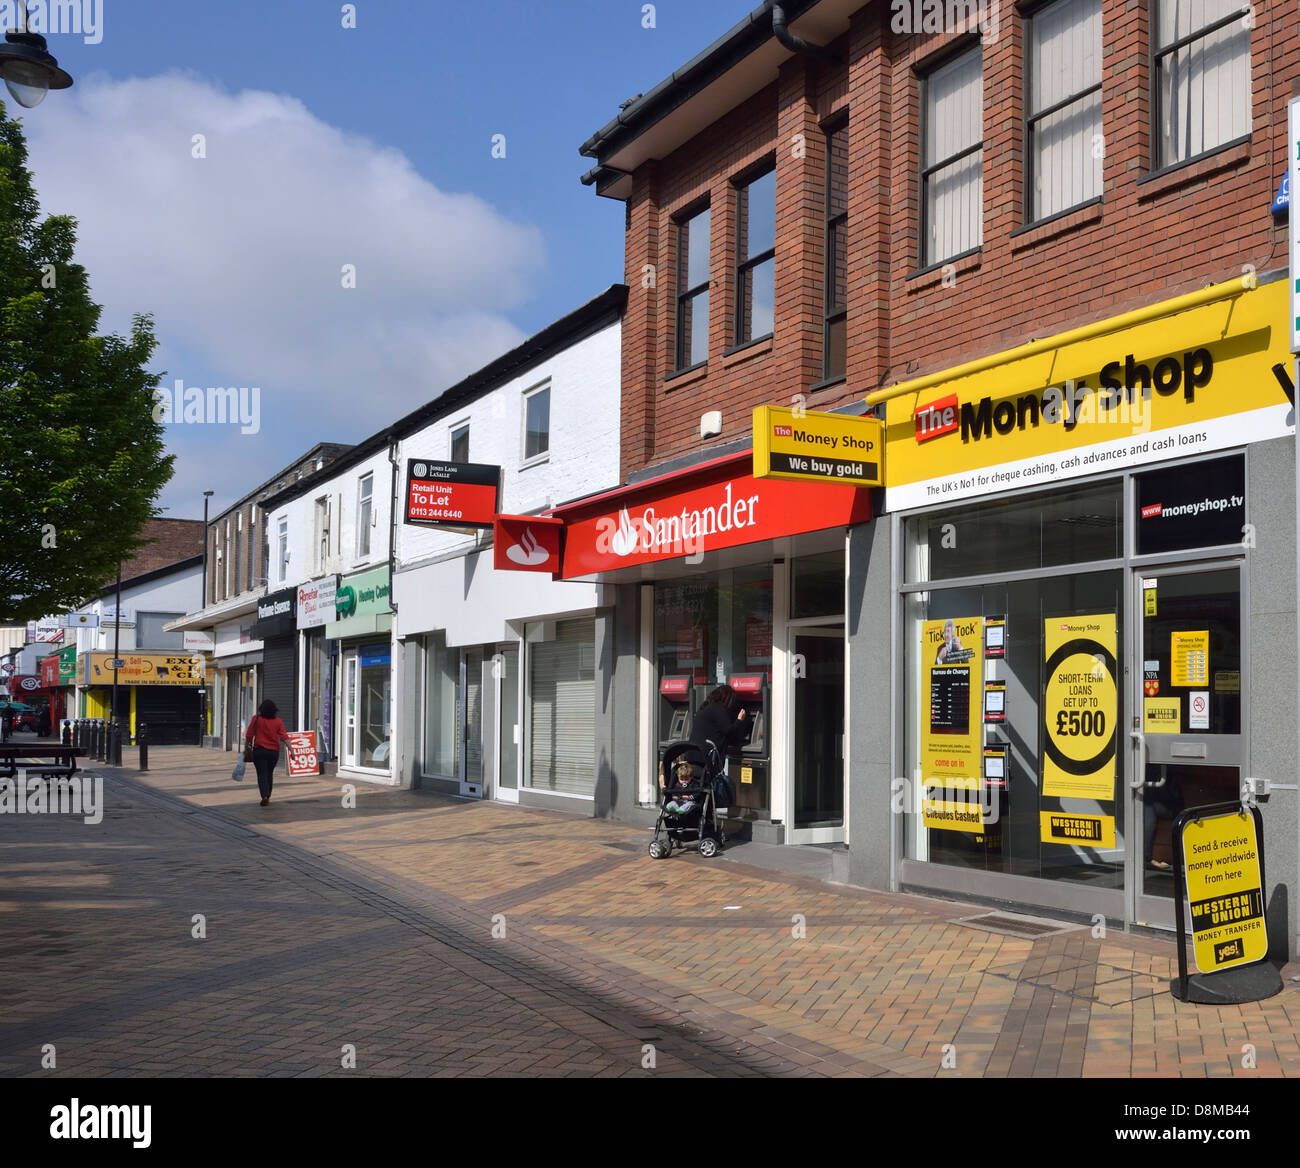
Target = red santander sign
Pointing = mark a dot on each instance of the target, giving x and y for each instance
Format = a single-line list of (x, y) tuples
[(451, 494), (719, 505), (526, 543)]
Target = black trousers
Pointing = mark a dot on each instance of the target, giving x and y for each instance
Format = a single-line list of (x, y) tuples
[(264, 760)]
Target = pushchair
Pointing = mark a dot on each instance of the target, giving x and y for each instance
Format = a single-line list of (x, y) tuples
[(700, 823)]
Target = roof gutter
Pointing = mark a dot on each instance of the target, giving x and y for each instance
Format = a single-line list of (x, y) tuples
[(781, 30)]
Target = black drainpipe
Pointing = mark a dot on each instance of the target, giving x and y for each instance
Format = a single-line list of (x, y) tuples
[(797, 44)]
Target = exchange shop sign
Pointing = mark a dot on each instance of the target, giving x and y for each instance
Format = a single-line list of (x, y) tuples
[(1219, 867), (452, 494), (817, 447), (143, 669), (952, 725)]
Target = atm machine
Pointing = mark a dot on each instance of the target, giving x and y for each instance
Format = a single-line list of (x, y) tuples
[(675, 709), (750, 763)]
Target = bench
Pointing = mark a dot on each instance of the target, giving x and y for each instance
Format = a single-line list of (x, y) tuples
[(39, 758)]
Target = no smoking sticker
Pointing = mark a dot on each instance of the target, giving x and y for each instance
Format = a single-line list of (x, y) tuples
[(1198, 706)]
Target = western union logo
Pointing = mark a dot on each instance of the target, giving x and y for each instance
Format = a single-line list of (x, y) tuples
[(1087, 831), (1075, 827)]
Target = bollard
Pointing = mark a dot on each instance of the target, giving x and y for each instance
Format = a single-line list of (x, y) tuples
[(76, 732), (142, 740), (115, 743), (99, 739), (65, 734), (90, 743)]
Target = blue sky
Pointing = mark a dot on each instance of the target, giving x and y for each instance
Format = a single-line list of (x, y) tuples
[(323, 146)]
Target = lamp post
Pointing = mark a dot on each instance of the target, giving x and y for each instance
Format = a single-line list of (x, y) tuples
[(117, 633), (203, 600), (28, 70)]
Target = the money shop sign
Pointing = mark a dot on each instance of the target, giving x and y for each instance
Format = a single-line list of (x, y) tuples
[(809, 446)]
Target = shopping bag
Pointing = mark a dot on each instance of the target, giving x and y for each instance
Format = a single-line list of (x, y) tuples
[(238, 773)]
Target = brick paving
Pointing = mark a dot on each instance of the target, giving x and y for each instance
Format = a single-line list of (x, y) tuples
[(373, 926)]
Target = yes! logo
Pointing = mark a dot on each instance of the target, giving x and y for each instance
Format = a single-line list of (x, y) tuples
[(528, 551)]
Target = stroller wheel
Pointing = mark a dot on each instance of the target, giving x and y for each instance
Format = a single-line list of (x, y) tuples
[(660, 848), (708, 847)]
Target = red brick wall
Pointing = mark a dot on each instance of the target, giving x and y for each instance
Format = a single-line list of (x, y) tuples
[(1146, 240)]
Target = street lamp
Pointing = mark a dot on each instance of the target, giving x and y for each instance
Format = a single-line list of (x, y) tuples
[(28, 69)]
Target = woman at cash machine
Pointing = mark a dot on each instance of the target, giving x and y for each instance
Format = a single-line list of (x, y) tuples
[(717, 721)]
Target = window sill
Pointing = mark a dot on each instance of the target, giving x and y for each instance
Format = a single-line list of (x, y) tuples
[(1151, 186), (923, 278), (828, 383), (1084, 215), (759, 347), (536, 460), (687, 376)]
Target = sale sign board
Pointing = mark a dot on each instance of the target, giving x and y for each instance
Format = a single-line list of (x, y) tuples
[(452, 494), (302, 753)]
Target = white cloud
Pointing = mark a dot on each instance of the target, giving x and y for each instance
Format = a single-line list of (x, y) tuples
[(239, 255)]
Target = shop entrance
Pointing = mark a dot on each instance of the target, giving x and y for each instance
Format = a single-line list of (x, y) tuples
[(367, 707), (1186, 741), (817, 734)]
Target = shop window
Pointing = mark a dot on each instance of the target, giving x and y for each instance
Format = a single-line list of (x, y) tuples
[(817, 586), (441, 721), (835, 322), (756, 258), (1063, 106), (460, 444), (1201, 51), (693, 290), (537, 423), (322, 533), (282, 559), (952, 159), (1069, 526), (994, 786)]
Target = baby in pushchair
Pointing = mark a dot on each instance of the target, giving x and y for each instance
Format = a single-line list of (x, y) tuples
[(687, 801)]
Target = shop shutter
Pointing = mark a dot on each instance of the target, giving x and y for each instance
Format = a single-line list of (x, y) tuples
[(562, 710), (170, 712), (280, 677)]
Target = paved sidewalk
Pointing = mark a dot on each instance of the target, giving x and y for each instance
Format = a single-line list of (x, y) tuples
[(380, 926)]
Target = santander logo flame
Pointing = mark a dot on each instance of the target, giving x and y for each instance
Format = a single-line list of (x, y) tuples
[(624, 540), (528, 551)]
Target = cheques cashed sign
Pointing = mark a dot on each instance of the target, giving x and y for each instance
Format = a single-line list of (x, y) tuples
[(717, 506), (1197, 380)]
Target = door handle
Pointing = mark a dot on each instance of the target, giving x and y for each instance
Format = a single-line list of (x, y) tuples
[(1139, 741)]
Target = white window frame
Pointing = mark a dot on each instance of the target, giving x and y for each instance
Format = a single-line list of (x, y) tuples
[(321, 521), (454, 429), (365, 519), (526, 397), (283, 538)]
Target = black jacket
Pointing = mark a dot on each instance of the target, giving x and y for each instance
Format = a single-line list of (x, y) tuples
[(714, 724)]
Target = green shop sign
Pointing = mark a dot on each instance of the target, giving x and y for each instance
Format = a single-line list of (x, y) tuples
[(361, 605)]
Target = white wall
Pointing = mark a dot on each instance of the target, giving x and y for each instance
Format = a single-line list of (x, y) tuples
[(584, 439), (343, 557)]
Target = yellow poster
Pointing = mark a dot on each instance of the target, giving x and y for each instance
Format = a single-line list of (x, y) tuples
[(952, 723), (1189, 655), (1085, 831), (143, 669), (1162, 715), (1221, 862), (1080, 707)]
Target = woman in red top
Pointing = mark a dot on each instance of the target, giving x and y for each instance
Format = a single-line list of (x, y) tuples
[(263, 737)]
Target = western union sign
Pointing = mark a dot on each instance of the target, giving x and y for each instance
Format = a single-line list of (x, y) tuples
[(817, 447)]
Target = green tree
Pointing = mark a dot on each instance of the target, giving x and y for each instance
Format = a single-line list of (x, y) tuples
[(81, 457)]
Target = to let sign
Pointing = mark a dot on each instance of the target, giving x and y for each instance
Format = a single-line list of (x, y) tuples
[(451, 494), (302, 753)]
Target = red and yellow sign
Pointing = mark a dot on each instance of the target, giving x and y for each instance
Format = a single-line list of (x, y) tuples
[(302, 753), (952, 724)]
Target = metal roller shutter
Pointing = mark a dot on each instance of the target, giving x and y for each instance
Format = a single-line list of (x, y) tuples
[(562, 710), (280, 677)]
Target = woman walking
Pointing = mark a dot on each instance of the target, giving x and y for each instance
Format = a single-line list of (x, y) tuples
[(263, 738)]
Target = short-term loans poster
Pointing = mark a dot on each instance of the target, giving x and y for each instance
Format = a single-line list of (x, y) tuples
[(952, 722), (1079, 707)]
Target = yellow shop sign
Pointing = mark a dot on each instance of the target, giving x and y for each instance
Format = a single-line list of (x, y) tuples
[(807, 446), (1199, 378)]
